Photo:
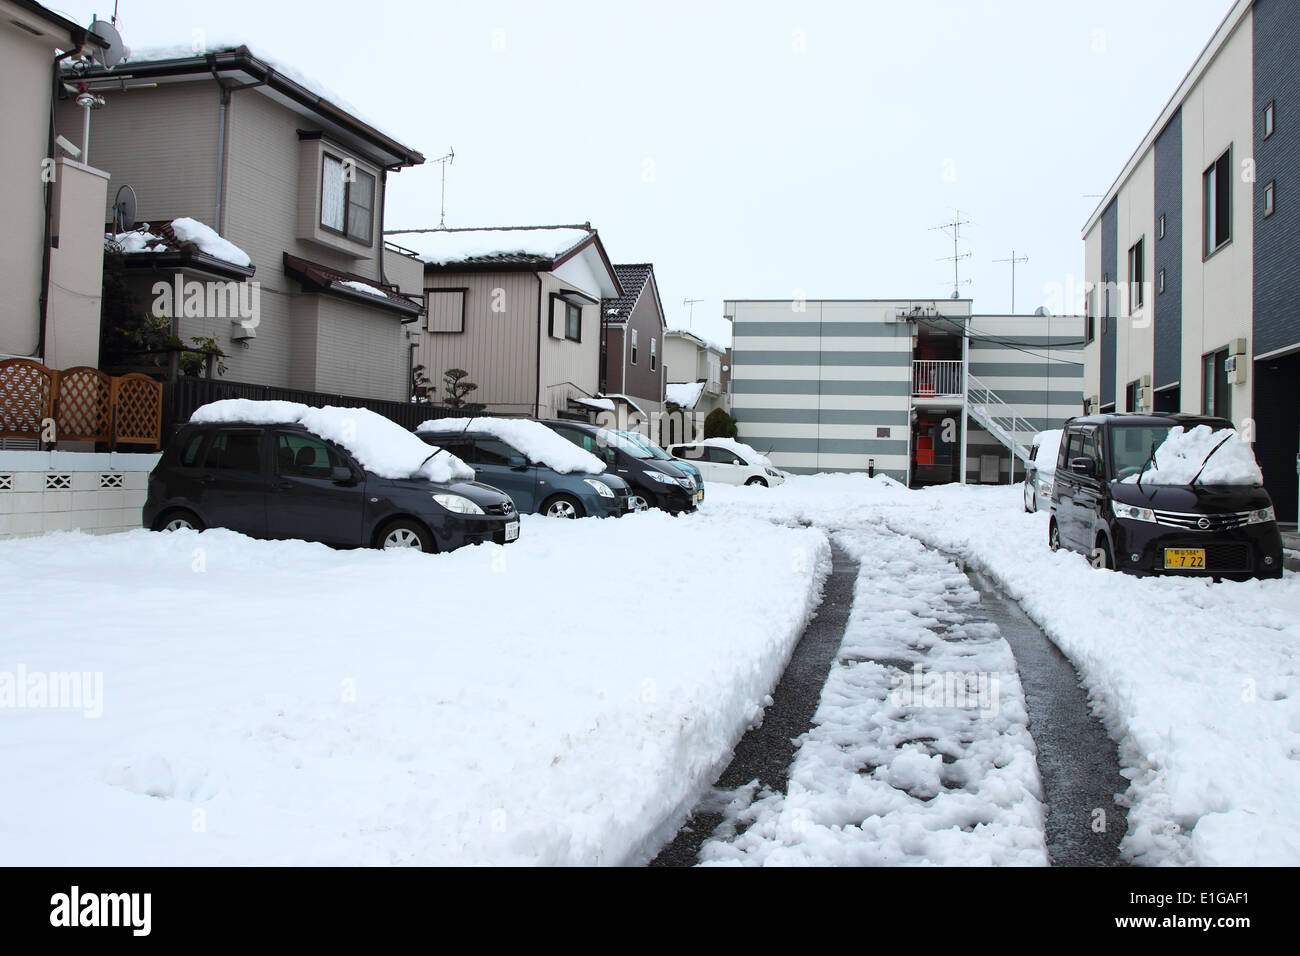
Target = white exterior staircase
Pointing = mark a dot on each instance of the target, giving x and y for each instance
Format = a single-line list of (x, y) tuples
[(997, 418)]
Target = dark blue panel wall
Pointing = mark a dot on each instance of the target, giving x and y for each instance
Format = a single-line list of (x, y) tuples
[(1107, 304), (1168, 322)]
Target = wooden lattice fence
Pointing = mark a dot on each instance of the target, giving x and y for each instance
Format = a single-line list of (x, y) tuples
[(82, 403)]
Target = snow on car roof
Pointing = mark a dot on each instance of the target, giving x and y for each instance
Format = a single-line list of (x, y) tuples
[(746, 452), (381, 446), (536, 441)]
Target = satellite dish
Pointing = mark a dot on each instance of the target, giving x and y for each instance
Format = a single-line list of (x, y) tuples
[(114, 50), (123, 209), (1042, 310)]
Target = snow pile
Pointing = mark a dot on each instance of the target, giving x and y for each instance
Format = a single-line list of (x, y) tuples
[(1180, 456), (323, 715), (683, 394), (138, 240), (1049, 447), (364, 288), (207, 239), (920, 752), (533, 439), (381, 446), (442, 246), (740, 448)]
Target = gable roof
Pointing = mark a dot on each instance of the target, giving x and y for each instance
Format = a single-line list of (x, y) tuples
[(633, 279)]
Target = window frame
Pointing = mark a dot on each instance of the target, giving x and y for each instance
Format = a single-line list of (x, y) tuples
[(1270, 198), (571, 311), (1160, 227), (632, 346), (654, 355), (1136, 275), (1160, 282), (1213, 196), (347, 232), (1268, 123)]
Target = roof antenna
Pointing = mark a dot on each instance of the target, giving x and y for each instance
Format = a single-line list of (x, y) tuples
[(444, 161), (954, 229), (690, 318), (1013, 260)]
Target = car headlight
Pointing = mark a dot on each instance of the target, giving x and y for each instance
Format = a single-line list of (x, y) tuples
[(660, 477), (1262, 516), (458, 504), (602, 489), (774, 474), (1134, 513)]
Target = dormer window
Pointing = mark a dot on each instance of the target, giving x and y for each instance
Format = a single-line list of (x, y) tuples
[(347, 199)]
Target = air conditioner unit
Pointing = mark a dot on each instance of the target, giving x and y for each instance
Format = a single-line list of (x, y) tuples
[(239, 332), (1237, 347)]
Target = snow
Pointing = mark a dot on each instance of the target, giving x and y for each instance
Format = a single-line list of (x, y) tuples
[(1180, 456), (1049, 447), (138, 240), (604, 404), (381, 446), (920, 752), (443, 246), (740, 448), (303, 705), (206, 238), (1198, 682), (683, 394), (363, 287), (533, 439)]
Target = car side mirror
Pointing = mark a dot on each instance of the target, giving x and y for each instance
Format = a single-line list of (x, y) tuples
[(1084, 466), (342, 475), (518, 462)]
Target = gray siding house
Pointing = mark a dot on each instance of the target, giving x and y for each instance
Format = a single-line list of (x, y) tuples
[(294, 182), (632, 350), (518, 308)]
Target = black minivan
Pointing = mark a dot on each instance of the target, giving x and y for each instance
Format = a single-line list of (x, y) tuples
[(1220, 531), (654, 483), (283, 481)]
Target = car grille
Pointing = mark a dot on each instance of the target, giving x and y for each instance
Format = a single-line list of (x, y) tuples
[(1220, 557), (507, 508), (1193, 522)]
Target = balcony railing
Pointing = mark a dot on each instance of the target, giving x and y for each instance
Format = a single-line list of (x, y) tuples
[(932, 378)]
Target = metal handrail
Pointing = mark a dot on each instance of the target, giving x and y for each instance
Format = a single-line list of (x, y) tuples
[(997, 417), (935, 377)]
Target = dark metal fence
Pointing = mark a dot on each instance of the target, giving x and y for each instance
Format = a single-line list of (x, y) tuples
[(186, 394)]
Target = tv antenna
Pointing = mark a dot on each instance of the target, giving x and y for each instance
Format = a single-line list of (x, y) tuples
[(690, 316), (1013, 260), (444, 162), (954, 229)]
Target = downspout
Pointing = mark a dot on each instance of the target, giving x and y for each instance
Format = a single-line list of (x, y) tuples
[(223, 121), (44, 300), (537, 381)]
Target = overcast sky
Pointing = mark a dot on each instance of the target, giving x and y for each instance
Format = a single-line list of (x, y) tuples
[(748, 150)]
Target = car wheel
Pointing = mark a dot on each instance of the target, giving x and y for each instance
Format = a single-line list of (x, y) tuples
[(757, 481), (406, 534), (178, 520), (1054, 536), (637, 503), (562, 506)]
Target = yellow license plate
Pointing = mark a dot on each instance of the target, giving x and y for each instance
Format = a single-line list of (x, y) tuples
[(1184, 557), (699, 495)]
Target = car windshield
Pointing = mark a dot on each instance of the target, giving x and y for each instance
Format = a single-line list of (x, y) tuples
[(618, 440), (654, 450), (1131, 445)]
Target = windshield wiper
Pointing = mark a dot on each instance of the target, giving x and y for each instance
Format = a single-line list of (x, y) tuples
[(1151, 460), (1211, 455)]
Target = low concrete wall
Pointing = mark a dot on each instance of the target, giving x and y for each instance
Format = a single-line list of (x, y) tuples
[(44, 491)]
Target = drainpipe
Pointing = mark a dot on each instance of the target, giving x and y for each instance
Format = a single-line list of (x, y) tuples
[(44, 300), (965, 402), (223, 121), (537, 382)]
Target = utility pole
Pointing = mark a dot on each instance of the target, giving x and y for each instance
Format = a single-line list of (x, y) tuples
[(954, 229), (1013, 260)]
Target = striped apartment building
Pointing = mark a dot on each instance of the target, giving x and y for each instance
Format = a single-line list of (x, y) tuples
[(848, 385)]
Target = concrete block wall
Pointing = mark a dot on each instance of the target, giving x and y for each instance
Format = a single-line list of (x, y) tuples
[(43, 491)]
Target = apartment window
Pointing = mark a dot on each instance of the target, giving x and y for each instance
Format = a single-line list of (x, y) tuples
[(634, 346), (1160, 282), (573, 322), (347, 199), (1269, 116), (1216, 396), (1136, 276), (1090, 327), (1270, 191), (654, 357), (1217, 195), (1160, 227), (1132, 394)]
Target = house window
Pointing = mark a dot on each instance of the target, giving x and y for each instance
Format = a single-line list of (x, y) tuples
[(1160, 227), (1217, 196), (1136, 275), (1216, 397), (1160, 282), (347, 199), (1090, 330), (1132, 395), (1269, 115), (654, 357), (1270, 190), (634, 346), (573, 322)]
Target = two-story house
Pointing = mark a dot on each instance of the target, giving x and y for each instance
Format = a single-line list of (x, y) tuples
[(696, 380), (247, 178), (51, 246), (632, 343), (518, 309)]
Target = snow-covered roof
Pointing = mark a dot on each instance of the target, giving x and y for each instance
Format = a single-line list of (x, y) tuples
[(380, 445), (1180, 456), (601, 404), (364, 288), (683, 394), (699, 339), (174, 235), (445, 246), (627, 400), (538, 443)]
